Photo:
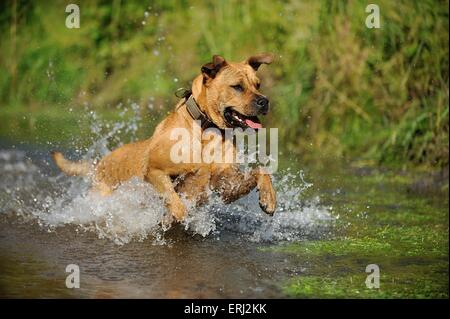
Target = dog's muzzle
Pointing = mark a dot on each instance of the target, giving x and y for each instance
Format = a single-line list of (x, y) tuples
[(236, 119), (262, 105)]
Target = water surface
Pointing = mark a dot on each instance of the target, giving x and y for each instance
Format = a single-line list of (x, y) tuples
[(332, 221)]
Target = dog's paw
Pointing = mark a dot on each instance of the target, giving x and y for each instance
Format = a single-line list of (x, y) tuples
[(267, 207), (178, 210), (267, 198)]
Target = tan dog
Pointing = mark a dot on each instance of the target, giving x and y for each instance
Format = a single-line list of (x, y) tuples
[(225, 95)]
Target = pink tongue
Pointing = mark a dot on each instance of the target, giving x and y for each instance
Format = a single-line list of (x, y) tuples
[(252, 124)]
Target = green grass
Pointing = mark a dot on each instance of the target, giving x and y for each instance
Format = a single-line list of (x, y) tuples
[(378, 221), (413, 263), (400, 284), (399, 241), (336, 88)]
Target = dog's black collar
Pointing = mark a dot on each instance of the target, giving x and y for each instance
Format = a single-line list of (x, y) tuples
[(193, 108), (197, 114)]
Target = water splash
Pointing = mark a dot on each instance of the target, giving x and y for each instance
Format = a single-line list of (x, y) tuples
[(134, 211)]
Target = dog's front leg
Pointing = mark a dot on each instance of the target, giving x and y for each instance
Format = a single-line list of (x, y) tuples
[(195, 185), (232, 184), (163, 184), (267, 196)]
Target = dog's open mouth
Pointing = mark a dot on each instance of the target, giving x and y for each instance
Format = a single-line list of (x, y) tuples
[(236, 119)]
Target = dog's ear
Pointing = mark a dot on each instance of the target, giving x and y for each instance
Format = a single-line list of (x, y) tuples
[(256, 60), (210, 70)]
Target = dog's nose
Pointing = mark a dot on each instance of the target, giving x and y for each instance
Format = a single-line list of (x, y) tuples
[(263, 104)]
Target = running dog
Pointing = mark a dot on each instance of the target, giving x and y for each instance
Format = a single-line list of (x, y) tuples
[(225, 95)]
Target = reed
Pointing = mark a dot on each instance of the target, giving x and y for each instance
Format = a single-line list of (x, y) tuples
[(337, 88)]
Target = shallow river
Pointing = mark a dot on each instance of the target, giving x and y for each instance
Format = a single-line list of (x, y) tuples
[(332, 221)]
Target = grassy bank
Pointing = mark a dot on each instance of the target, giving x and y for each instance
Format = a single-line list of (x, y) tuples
[(337, 87)]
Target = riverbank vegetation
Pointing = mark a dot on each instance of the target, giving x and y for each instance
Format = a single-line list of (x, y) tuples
[(336, 88)]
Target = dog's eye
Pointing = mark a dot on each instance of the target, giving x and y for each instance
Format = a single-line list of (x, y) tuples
[(258, 85), (238, 87)]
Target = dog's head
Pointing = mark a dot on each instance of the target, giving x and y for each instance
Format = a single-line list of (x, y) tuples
[(230, 92)]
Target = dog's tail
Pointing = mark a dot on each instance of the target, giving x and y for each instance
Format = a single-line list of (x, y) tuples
[(81, 168)]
